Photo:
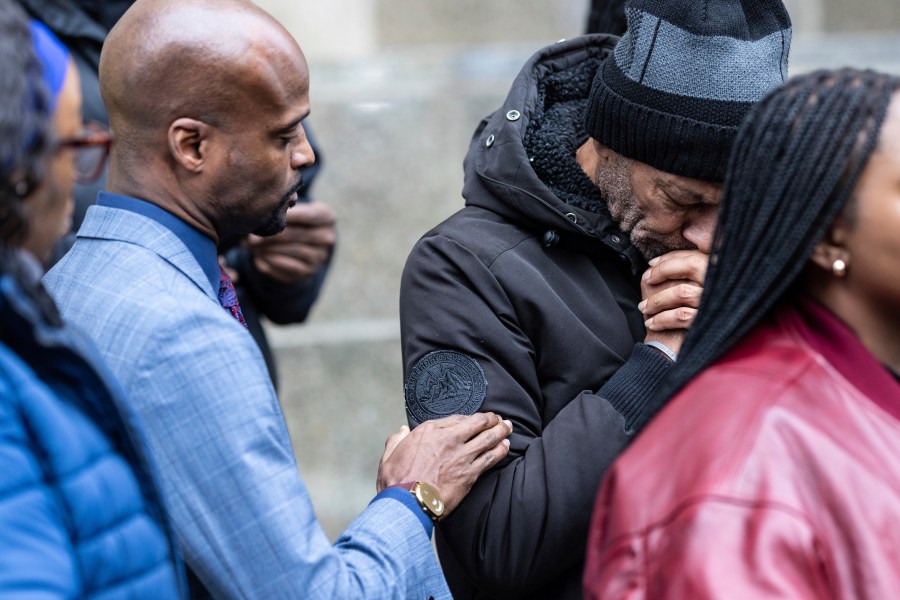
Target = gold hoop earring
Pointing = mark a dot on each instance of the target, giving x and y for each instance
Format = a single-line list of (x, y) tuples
[(839, 268)]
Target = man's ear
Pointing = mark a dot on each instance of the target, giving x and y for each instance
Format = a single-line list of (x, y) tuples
[(189, 143), (604, 153), (592, 155)]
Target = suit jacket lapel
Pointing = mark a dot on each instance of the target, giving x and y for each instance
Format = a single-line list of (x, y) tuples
[(107, 223)]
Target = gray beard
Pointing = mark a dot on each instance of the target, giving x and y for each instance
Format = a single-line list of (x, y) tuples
[(614, 183)]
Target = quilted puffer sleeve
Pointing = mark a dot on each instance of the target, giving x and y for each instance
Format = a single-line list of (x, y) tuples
[(38, 560)]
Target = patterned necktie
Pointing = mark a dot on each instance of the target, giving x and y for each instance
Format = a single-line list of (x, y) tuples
[(228, 297)]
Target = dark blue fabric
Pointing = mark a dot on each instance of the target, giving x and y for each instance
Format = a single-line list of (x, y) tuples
[(202, 247), (407, 499), (79, 509)]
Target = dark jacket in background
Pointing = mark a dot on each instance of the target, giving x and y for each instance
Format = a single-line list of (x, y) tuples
[(80, 514), (525, 303), (607, 16), (82, 26)]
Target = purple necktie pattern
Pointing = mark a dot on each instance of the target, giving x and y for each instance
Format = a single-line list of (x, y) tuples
[(228, 297)]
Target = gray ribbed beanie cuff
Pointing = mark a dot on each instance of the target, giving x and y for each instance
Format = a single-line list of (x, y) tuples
[(679, 82)]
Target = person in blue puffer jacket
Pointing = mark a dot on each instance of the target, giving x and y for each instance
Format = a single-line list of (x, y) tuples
[(80, 514)]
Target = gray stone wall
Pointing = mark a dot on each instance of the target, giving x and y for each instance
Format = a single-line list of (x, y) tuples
[(397, 87), (405, 23), (859, 16)]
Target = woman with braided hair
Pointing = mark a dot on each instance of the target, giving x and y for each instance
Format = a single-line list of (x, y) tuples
[(770, 469)]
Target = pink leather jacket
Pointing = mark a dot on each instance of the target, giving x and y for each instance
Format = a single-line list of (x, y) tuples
[(774, 474)]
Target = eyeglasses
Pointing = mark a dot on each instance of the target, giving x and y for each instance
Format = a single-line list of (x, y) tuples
[(91, 149)]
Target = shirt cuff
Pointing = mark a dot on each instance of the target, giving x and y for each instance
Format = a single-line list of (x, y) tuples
[(407, 499), (664, 349), (635, 383)]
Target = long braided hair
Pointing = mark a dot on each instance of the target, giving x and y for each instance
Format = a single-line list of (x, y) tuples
[(793, 168)]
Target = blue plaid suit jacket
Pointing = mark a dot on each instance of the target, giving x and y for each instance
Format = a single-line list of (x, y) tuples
[(215, 430)]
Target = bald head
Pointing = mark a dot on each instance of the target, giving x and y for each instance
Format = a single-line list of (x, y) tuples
[(205, 102), (201, 59)]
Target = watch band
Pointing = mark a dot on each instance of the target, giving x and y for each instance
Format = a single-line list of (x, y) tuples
[(427, 497)]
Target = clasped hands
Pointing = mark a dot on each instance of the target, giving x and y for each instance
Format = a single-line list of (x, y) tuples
[(670, 292)]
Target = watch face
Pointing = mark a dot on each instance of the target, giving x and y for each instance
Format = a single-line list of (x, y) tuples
[(430, 499)]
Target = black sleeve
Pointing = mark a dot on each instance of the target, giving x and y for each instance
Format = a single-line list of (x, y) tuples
[(281, 303), (524, 523)]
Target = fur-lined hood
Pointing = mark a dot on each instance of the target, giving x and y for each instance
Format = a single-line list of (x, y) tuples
[(521, 162)]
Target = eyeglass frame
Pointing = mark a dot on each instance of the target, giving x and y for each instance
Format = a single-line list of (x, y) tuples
[(93, 134)]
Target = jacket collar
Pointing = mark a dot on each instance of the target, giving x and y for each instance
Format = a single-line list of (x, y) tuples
[(838, 344), (116, 224)]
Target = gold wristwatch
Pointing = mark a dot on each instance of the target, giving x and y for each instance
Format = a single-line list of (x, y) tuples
[(427, 497)]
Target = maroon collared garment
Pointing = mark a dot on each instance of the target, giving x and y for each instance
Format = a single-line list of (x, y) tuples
[(773, 474)]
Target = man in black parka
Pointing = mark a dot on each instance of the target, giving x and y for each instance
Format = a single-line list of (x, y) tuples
[(528, 301)]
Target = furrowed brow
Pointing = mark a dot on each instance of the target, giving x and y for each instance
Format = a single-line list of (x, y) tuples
[(692, 195)]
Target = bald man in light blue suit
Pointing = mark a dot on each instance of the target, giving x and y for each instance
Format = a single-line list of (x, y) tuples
[(206, 99)]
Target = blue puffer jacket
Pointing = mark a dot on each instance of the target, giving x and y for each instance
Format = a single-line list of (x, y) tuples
[(79, 513)]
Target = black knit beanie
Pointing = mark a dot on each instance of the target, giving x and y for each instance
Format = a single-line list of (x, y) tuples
[(678, 83)]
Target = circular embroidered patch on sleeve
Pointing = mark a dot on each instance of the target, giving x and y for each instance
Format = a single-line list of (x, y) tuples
[(444, 383)]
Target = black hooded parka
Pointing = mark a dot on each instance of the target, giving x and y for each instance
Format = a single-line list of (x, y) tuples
[(525, 303)]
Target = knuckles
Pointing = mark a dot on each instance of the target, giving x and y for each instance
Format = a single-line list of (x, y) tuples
[(699, 262), (485, 419), (685, 314), (687, 292)]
